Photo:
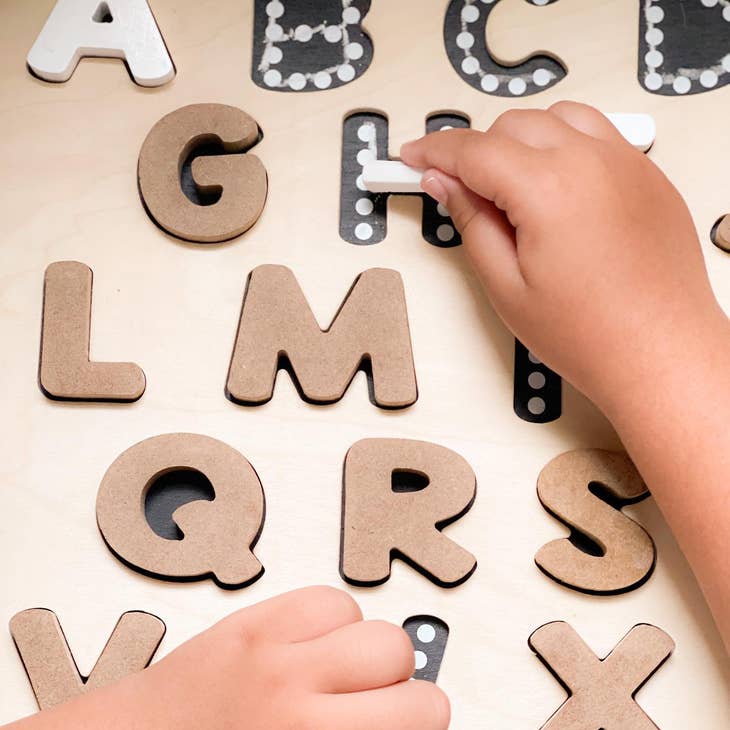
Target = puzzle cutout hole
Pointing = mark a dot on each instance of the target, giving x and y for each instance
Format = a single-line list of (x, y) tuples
[(102, 14), (169, 491), (429, 636), (584, 542), (408, 480), (720, 233), (205, 195), (194, 192)]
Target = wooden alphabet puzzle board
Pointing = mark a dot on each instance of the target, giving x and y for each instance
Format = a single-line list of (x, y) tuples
[(70, 154)]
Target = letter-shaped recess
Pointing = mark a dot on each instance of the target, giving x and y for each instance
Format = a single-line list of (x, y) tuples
[(364, 215), (50, 665), (310, 46), (429, 636), (123, 29), (538, 391), (370, 330), (238, 180), (397, 496), (683, 47), (622, 554), (720, 233), (218, 535), (65, 371), (601, 690), (466, 46)]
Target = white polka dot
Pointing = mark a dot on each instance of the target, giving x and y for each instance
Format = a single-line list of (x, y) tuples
[(364, 156), (273, 54), (465, 40), (272, 77), (366, 132), (536, 380), (297, 81), (346, 72), (536, 406), (533, 358), (726, 63), (654, 59), (654, 37), (682, 84), (442, 210), (333, 33), (539, 2), (353, 51), (274, 32), (726, 13), (489, 82), (364, 206), (654, 14), (350, 15), (274, 9), (445, 232), (426, 633), (709, 3), (653, 81), (470, 14), (470, 65), (322, 80), (708, 78), (421, 659), (444, 127), (517, 87), (542, 77), (360, 183), (303, 33), (363, 231)]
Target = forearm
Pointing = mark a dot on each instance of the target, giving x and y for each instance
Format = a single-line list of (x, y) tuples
[(671, 410)]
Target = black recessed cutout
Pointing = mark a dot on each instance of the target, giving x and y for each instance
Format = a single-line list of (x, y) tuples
[(209, 146), (170, 491), (193, 192), (102, 14), (586, 544), (364, 215), (407, 480)]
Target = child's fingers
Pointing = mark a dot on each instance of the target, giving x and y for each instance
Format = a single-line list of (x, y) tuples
[(488, 237), (414, 705), (360, 656), (533, 127), (585, 119), (300, 615), (492, 164)]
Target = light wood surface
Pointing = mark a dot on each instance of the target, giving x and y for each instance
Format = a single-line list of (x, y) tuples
[(69, 155)]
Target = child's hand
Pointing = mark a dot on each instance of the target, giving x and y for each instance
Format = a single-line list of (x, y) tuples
[(586, 250), (302, 661), (590, 256)]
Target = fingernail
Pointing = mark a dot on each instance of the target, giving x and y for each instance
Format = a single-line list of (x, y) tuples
[(431, 185)]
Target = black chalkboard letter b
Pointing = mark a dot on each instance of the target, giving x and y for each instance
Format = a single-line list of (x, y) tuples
[(309, 46)]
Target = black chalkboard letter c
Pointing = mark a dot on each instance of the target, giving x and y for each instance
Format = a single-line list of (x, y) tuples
[(466, 46)]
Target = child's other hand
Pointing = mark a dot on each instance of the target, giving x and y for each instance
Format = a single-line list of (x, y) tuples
[(586, 250), (302, 661)]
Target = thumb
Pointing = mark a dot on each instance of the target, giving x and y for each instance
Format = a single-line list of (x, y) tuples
[(489, 238)]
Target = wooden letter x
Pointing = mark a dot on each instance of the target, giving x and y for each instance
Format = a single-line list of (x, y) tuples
[(601, 690)]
